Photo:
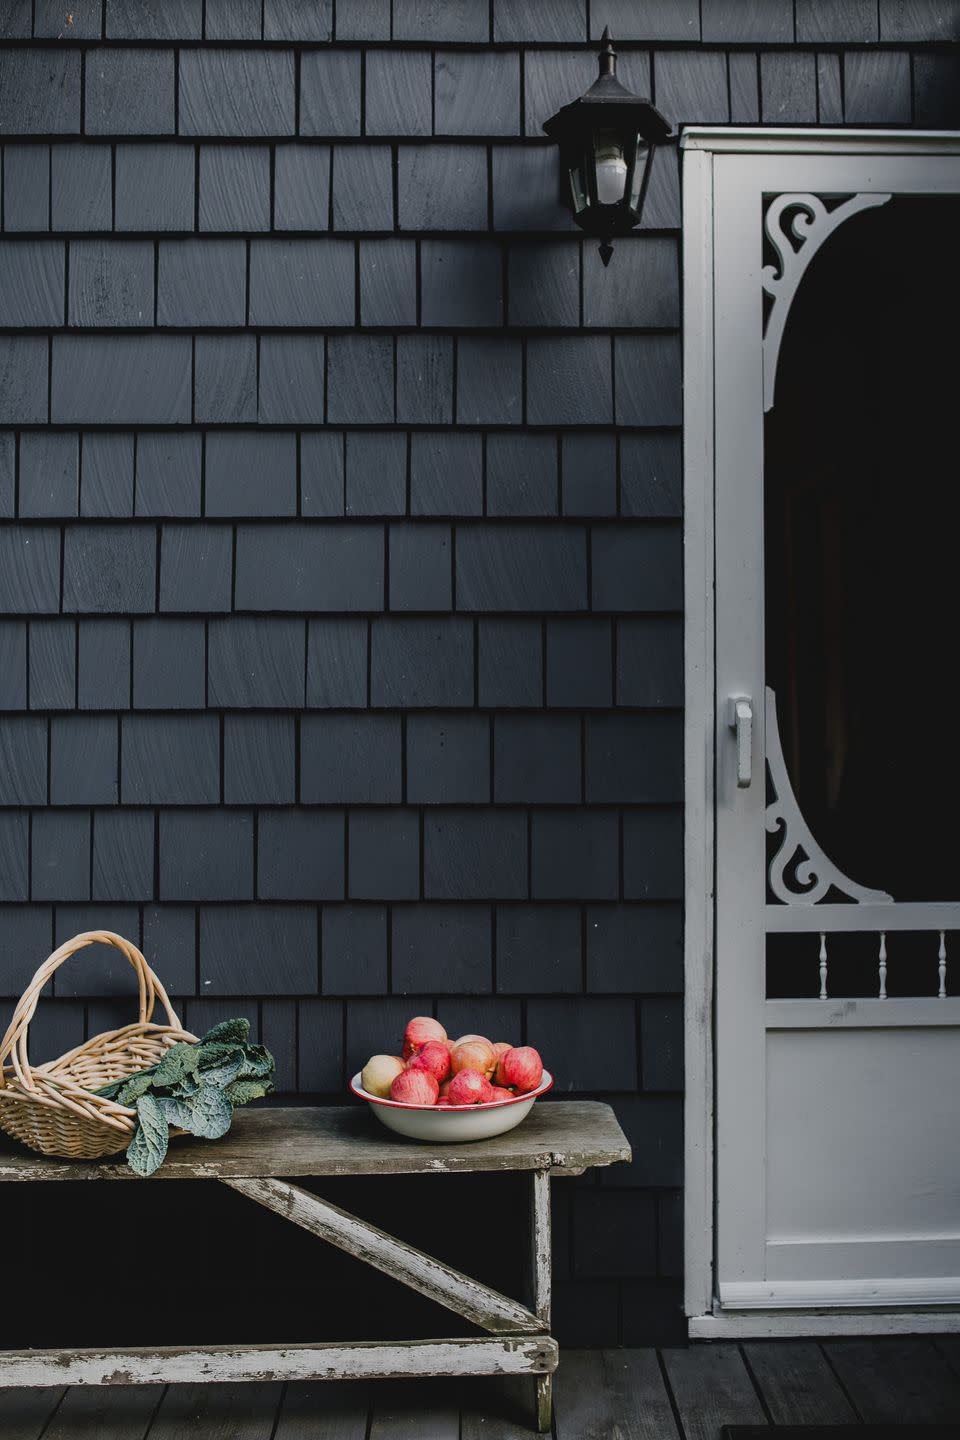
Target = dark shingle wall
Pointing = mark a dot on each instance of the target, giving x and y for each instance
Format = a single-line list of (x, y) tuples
[(340, 554)]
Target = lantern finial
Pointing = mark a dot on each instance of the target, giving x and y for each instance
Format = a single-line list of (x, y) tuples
[(608, 56)]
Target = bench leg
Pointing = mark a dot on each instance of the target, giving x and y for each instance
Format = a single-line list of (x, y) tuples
[(541, 1282), (543, 1417)]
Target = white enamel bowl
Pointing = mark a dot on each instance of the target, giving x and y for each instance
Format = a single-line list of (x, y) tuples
[(445, 1123)]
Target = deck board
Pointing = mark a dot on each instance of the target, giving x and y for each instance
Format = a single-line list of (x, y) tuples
[(416, 1411), (712, 1387), (797, 1383), (334, 1411), (498, 1409), (217, 1412), (949, 1348), (25, 1412), (904, 1380), (600, 1394), (104, 1412)]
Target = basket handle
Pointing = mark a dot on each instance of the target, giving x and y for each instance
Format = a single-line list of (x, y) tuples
[(14, 1044)]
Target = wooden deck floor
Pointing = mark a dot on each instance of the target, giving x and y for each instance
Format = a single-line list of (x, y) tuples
[(601, 1395)]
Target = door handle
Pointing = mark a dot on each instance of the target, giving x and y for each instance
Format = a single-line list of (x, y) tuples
[(741, 722)]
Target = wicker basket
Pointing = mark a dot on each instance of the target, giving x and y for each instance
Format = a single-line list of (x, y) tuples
[(50, 1107)]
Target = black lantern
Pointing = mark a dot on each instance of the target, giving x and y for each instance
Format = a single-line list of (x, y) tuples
[(606, 140)]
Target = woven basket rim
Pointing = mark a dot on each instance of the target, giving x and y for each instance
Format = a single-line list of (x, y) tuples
[(82, 1111), (45, 1069)]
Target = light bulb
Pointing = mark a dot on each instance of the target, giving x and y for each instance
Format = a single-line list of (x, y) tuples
[(611, 168)]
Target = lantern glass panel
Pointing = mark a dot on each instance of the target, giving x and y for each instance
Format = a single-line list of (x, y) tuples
[(611, 164), (578, 184), (644, 152)]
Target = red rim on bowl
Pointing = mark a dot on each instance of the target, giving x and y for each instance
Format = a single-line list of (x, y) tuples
[(546, 1084)]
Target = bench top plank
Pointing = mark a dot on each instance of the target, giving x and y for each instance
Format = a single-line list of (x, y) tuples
[(566, 1137)]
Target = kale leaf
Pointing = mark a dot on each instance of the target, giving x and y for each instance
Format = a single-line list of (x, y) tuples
[(211, 1113), (223, 1073), (180, 1060), (243, 1090), (148, 1148), (136, 1086), (177, 1111), (231, 1032), (258, 1063), (194, 1087)]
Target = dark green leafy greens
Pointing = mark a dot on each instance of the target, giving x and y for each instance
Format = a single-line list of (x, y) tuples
[(149, 1144), (194, 1087)]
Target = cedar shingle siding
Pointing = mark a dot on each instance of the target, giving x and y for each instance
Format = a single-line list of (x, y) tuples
[(340, 555)]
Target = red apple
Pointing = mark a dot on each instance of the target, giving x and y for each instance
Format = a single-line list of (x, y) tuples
[(497, 1092), (500, 1049), (474, 1055), (434, 1057), (522, 1068), (415, 1087), (443, 1101), (464, 1038), (420, 1030), (468, 1087), (379, 1073)]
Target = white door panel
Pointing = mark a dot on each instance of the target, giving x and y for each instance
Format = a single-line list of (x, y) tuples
[(862, 1135), (837, 1130)]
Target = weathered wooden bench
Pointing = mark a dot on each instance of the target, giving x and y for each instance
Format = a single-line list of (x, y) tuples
[(267, 1144)]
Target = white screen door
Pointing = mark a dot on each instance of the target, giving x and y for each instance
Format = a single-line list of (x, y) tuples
[(837, 901)]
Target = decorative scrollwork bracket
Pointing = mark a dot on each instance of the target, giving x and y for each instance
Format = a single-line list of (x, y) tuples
[(805, 219), (814, 875)]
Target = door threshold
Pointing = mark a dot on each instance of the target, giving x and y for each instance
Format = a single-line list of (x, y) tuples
[(780, 1324)]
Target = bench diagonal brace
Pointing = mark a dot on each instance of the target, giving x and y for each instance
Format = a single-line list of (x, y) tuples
[(458, 1292)]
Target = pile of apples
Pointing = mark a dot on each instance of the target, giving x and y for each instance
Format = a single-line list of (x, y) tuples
[(435, 1070)]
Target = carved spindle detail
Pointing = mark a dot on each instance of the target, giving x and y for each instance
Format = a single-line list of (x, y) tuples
[(823, 966), (942, 967), (883, 966)]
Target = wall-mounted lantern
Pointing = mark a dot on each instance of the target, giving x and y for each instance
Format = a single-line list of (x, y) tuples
[(606, 140)]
